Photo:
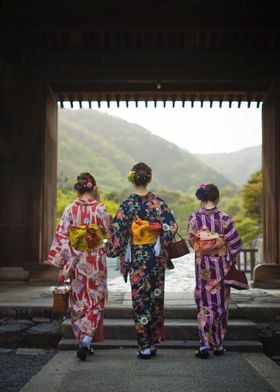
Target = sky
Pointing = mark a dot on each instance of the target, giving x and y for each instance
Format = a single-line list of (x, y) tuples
[(199, 130)]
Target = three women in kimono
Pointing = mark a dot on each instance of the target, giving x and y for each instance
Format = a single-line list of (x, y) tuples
[(216, 243), (140, 233), (78, 250)]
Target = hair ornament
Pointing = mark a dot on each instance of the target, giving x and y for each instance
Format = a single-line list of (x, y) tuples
[(200, 193), (131, 176)]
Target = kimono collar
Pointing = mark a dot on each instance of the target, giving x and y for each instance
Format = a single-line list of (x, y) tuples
[(210, 211), (148, 196), (85, 202)]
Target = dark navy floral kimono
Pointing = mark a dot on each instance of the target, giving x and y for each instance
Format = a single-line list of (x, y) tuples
[(143, 262)]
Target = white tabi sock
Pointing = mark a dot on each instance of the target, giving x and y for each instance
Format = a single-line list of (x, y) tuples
[(220, 348), (87, 341), (145, 351)]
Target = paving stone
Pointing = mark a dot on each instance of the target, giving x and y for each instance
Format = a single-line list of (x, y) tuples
[(20, 321), (30, 351), (11, 334), (4, 350), (171, 370), (42, 335), (39, 320)]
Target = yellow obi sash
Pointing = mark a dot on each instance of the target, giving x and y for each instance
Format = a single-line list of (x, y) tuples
[(85, 237), (144, 232)]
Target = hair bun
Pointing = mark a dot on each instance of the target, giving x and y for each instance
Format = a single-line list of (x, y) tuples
[(201, 194), (85, 183), (209, 192), (140, 174)]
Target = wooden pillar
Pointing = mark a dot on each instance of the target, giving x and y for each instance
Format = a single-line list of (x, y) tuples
[(268, 273), (28, 126)]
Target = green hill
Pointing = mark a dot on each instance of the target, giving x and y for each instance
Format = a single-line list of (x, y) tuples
[(236, 166), (108, 146)]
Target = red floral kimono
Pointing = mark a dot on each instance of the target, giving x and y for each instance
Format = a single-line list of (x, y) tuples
[(86, 269)]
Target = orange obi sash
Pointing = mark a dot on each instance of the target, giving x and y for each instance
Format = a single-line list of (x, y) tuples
[(207, 243), (144, 232)]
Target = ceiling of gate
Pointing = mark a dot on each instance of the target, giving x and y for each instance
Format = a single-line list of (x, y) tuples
[(148, 50)]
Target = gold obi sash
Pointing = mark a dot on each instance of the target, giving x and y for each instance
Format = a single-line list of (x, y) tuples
[(84, 237), (144, 232)]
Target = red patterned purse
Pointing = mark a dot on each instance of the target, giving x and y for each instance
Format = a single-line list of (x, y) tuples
[(236, 279)]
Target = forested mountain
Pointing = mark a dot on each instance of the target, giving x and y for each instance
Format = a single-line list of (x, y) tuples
[(236, 166), (108, 146)]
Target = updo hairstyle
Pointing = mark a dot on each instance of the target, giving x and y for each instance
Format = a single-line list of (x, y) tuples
[(142, 174), (85, 183), (209, 192)]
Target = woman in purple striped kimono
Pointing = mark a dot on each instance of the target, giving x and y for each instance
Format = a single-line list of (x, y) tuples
[(216, 243)]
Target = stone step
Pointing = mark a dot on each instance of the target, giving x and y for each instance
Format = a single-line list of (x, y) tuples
[(248, 346), (256, 312), (175, 329)]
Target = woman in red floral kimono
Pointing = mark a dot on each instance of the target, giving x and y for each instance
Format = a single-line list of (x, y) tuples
[(141, 231), (78, 250)]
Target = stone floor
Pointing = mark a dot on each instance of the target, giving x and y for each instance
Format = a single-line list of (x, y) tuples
[(171, 370)]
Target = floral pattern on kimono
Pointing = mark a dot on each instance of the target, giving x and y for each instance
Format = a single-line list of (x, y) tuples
[(146, 270), (211, 295), (87, 270)]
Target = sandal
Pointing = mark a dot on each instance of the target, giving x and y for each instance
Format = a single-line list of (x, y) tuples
[(153, 351), (82, 353), (202, 354), (220, 351)]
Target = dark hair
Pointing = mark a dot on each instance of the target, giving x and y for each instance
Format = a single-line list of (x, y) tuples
[(85, 183), (209, 192), (143, 174)]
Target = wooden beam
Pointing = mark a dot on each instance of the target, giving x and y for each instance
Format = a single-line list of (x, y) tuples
[(134, 15)]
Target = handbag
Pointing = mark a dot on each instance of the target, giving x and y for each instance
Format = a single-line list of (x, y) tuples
[(177, 248), (61, 299), (236, 279)]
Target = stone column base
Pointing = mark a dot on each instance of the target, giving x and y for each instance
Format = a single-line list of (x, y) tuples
[(13, 274), (267, 276)]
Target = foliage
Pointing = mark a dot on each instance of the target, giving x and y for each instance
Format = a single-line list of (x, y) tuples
[(252, 197), (248, 229), (63, 198)]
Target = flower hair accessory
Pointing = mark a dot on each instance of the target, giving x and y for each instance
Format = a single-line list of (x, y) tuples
[(131, 176), (200, 193)]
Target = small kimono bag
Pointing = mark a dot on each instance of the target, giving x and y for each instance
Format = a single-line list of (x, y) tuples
[(236, 279), (61, 299)]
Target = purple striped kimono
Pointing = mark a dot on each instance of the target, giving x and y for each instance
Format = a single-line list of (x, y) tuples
[(211, 295)]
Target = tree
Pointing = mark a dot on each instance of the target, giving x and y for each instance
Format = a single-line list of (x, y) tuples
[(252, 197), (249, 221)]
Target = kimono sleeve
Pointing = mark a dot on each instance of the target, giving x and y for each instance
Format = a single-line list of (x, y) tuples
[(169, 226), (119, 233), (61, 251), (233, 239), (104, 219), (192, 228)]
